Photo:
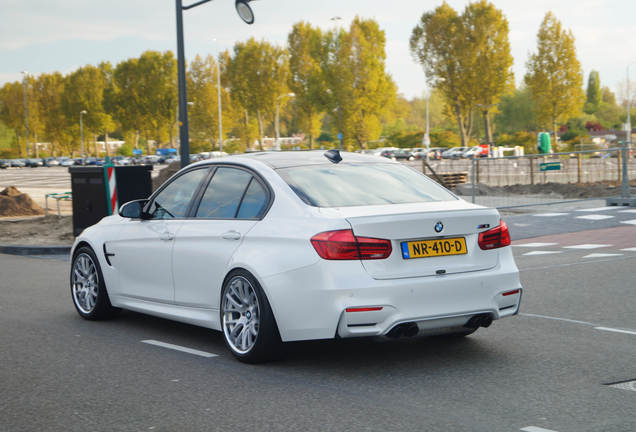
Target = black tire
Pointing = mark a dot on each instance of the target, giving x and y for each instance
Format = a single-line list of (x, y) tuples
[(102, 308), (268, 345)]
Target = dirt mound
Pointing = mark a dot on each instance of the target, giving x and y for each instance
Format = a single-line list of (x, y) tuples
[(165, 174), (15, 203)]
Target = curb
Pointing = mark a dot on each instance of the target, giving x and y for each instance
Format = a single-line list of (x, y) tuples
[(34, 250)]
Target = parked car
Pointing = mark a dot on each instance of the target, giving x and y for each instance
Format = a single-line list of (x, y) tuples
[(33, 163), (19, 163), (151, 159), (66, 162), (51, 161), (287, 246), (454, 152), (4, 164), (472, 152), (403, 154)]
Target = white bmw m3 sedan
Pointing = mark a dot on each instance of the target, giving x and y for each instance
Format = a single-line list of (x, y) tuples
[(287, 246)]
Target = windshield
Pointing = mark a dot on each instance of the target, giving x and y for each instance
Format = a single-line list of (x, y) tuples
[(345, 185)]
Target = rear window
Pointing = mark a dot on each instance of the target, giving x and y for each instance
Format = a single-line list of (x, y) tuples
[(345, 185)]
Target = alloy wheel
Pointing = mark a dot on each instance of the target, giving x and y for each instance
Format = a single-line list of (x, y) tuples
[(241, 315), (85, 283)]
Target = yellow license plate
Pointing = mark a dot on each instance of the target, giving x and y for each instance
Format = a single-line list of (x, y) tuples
[(433, 248)]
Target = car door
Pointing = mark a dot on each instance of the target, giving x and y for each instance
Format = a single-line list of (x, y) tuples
[(233, 202), (141, 249)]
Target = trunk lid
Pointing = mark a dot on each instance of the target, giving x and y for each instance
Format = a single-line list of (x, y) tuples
[(408, 222)]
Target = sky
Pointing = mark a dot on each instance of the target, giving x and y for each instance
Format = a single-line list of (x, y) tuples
[(62, 35)]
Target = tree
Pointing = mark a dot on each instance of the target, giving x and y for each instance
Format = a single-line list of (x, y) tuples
[(490, 70), (593, 101), (438, 44), (258, 75), (467, 58), (55, 125), (516, 112), (306, 79), (84, 90), (145, 95), (361, 92), (12, 111), (203, 115), (157, 75), (554, 75)]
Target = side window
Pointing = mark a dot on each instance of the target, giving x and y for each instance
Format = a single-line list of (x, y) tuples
[(254, 201), (223, 195), (173, 200)]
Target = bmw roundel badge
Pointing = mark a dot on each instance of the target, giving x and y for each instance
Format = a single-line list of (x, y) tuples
[(439, 226)]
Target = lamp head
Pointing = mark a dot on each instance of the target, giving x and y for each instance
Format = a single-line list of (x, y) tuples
[(244, 10)]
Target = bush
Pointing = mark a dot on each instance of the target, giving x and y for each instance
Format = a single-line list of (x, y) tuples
[(125, 150), (527, 140)]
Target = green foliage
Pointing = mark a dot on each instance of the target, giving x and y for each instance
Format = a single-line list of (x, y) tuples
[(125, 150), (554, 75), (593, 100), (467, 58), (527, 140), (360, 91), (204, 113), (444, 138), (258, 74), (306, 78), (516, 112)]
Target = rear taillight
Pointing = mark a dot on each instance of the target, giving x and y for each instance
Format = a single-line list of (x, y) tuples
[(495, 238), (343, 245)]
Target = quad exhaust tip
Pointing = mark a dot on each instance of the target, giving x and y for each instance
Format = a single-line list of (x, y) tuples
[(482, 320)]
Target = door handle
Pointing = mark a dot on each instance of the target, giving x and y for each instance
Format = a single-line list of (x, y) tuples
[(166, 236), (231, 235)]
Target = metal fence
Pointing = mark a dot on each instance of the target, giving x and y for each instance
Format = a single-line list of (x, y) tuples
[(515, 181)]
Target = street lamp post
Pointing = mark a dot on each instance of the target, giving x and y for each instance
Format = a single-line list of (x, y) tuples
[(277, 145), (246, 14), (26, 111), (82, 112)]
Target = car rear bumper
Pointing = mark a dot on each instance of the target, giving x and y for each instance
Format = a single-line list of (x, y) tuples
[(312, 302)]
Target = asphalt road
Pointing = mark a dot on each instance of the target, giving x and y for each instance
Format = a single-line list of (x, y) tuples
[(546, 368)]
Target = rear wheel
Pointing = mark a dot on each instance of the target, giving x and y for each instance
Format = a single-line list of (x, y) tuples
[(88, 289), (247, 321)]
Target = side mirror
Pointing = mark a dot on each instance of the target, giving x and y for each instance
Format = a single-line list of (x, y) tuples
[(133, 209)]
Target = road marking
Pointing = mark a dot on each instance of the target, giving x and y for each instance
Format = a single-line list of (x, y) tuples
[(595, 217), (630, 222), (587, 246), (627, 211), (629, 249), (532, 245), (536, 429), (549, 214), (179, 348), (602, 255), (558, 319), (569, 264), (615, 330), (598, 209), (541, 253)]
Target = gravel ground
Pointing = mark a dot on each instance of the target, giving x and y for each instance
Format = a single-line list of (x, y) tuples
[(38, 230)]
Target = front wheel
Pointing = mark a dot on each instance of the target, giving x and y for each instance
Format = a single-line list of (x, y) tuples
[(247, 321), (88, 289)]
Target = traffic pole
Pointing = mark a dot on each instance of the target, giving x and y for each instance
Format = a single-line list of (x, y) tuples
[(111, 189)]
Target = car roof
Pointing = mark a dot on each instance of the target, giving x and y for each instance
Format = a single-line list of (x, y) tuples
[(287, 159)]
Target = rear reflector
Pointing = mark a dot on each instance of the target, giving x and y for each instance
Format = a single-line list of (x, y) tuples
[(495, 238), (343, 245), (364, 309), (513, 292)]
